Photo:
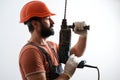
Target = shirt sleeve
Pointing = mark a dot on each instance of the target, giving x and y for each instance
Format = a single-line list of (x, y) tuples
[(32, 61)]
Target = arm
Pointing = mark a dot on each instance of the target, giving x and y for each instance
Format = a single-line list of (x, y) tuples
[(42, 76), (79, 48), (69, 70), (37, 76)]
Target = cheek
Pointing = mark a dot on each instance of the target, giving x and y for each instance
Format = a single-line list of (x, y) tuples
[(46, 24), (39, 27)]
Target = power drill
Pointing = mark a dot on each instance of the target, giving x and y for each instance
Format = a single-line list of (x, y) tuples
[(65, 40)]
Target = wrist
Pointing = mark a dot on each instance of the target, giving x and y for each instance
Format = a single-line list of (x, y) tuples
[(83, 35), (63, 76), (66, 76)]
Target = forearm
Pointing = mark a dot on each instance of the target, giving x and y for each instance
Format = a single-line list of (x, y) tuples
[(63, 77), (79, 48)]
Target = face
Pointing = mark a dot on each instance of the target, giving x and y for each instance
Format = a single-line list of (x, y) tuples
[(46, 27)]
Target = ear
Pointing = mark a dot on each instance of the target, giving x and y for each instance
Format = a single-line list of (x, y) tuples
[(34, 23)]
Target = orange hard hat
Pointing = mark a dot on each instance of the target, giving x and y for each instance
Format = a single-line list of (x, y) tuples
[(34, 9)]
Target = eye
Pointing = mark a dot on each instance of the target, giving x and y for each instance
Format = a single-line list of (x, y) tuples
[(47, 18)]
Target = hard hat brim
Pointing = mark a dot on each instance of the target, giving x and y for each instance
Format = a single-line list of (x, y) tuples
[(36, 15)]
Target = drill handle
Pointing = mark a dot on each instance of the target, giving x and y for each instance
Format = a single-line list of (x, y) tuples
[(87, 27)]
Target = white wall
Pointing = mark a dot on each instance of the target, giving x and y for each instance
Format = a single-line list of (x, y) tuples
[(103, 38)]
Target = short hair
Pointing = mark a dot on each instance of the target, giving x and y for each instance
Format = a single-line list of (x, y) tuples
[(30, 26)]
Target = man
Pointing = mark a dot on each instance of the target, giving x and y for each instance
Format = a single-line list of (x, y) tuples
[(37, 56)]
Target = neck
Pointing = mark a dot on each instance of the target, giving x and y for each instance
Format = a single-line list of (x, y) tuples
[(37, 39)]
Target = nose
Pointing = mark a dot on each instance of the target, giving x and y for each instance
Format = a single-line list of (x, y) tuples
[(51, 21)]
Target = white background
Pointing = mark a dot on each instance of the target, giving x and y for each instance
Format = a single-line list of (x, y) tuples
[(103, 44)]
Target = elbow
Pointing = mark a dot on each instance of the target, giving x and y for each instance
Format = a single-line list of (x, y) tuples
[(77, 52)]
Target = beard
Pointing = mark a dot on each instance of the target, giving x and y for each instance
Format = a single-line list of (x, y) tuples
[(46, 32)]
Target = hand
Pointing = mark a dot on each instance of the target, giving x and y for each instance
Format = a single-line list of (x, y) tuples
[(71, 65), (79, 28)]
